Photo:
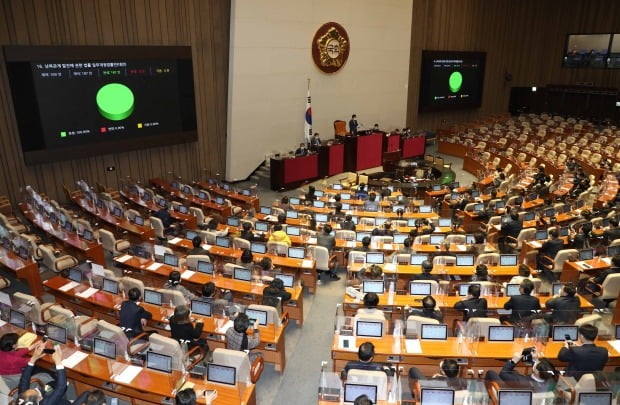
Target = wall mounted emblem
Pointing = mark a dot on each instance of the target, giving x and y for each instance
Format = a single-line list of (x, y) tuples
[(330, 47)]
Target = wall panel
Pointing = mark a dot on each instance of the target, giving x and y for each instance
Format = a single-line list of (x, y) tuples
[(204, 25)]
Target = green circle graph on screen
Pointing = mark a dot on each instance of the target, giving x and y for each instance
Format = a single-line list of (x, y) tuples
[(115, 101), (455, 81)]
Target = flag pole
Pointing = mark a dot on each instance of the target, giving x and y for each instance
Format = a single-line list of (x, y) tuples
[(308, 118)]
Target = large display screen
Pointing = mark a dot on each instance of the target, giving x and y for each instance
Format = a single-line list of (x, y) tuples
[(75, 102), (451, 80)]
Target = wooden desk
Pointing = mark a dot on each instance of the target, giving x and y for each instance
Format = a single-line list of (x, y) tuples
[(223, 210), (103, 305), (188, 219), (571, 271), (246, 201), (81, 247), (27, 270), (245, 292)]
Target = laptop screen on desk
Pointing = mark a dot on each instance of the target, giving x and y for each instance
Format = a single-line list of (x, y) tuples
[(110, 286), (437, 239), (222, 241), (337, 186), (296, 252), (529, 216), (287, 279), (202, 195), (256, 247), (320, 218), (159, 362), (445, 222), (556, 288), (613, 250), (190, 235), (374, 257), (183, 209), (218, 373), (361, 235), (514, 397), (436, 187), (418, 259), (292, 214), (353, 391), (595, 398), (318, 204), (153, 297), (501, 333), (464, 288), (56, 333), (257, 314), (261, 226), (201, 307), (434, 332), (242, 274), (76, 275), (586, 254), (17, 318), (104, 348), (500, 204), (512, 289), (507, 260), (265, 210), (232, 221), (437, 396), (542, 234), (373, 286), (293, 230), (617, 332), (426, 209), (88, 235), (560, 332), (400, 237), (369, 329), (171, 259), (550, 212), (419, 288), (465, 260), (564, 231), (220, 201), (204, 267), (294, 201)]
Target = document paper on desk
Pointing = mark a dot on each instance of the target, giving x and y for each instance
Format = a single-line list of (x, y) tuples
[(128, 374), (224, 328), (413, 346), (68, 286), (174, 241), (187, 274), (154, 266), (74, 359), (87, 293), (615, 344), (123, 258), (461, 248), (306, 264)]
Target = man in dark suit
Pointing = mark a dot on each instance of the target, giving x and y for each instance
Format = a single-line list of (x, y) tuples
[(132, 316), (33, 396), (523, 305), (549, 248), (197, 247), (448, 371), (315, 142), (513, 226), (473, 305), (302, 150), (543, 378), (584, 358), (427, 267), (428, 309), (366, 354), (328, 241), (353, 125), (566, 307), (348, 223), (613, 232)]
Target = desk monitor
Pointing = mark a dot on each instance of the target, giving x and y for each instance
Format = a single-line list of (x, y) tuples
[(475, 193), (353, 391), (265, 210), (556, 288), (355, 219), (242, 274), (110, 286), (212, 181), (153, 297), (319, 193), (417, 259), (434, 332), (563, 231), (23, 253), (464, 288), (529, 216), (512, 289), (380, 221), (479, 207), (162, 203), (560, 332), (204, 267), (507, 260), (88, 235), (287, 279), (412, 222), (190, 235), (420, 288), (257, 247), (100, 204), (501, 333), (220, 200), (541, 234), (68, 226), (222, 241), (500, 204), (586, 254), (605, 222), (399, 238), (17, 318), (218, 373), (373, 286), (292, 214), (261, 226), (104, 348), (321, 218), (202, 195), (159, 362), (294, 201), (425, 209), (296, 252), (318, 204), (171, 259), (437, 396), (455, 184), (246, 192), (595, 398), (337, 186), (397, 207), (580, 203), (374, 257), (201, 307), (56, 333), (436, 187), (293, 230), (361, 235), (258, 315), (346, 206), (226, 187), (232, 221), (187, 190), (613, 250), (514, 397), (76, 275), (345, 196), (183, 209), (465, 260), (532, 196), (455, 196), (138, 220), (117, 212), (549, 212), (373, 329), (445, 222), (617, 332), (469, 239), (159, 251), (437, 239)]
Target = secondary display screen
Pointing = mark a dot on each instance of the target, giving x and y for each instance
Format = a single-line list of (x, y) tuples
[(84, 101), (451, 80)]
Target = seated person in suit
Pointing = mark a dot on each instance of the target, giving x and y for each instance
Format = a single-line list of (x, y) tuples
[(33, 396), (593, 283), (371, 204), (524, 273), (613, 233), (315, 142), (479, 246), (482, 273), (566, 307), (248, 234), (524, 305), (366, 354), (366, 244), (132, 316), (174, 283), (246, 259), (386, 231), (584, 357), (405, 250), (362, 400), (348, 223), (428, 310), (544, 376), (449, 371), (550, 249), (284, 203), (511, 228), (302, 150), (279, 235), (212, 227), (370, 310), (276, 289), (427, 268), (183, 329), (218, 304), (472, 306), (166, 220), (361, 192), (310, 196), (374, 272), (197, 247)]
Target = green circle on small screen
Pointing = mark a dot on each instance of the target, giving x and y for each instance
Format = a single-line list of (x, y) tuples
[(455, 82), (115, 101)]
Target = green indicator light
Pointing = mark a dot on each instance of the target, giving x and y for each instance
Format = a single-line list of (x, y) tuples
[(63, 134), (455, 82), (115, 101)]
